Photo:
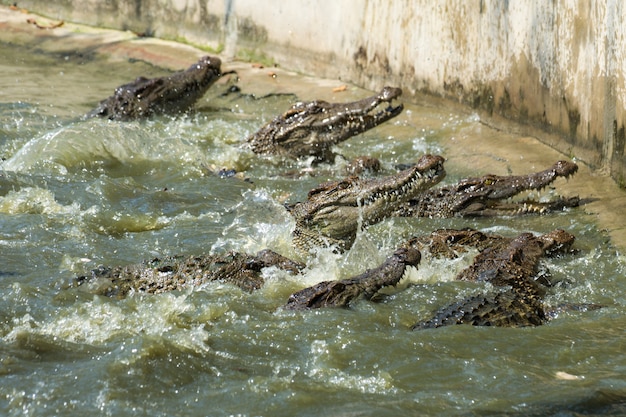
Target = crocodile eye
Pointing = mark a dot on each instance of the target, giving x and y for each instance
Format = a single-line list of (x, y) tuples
[(488, 182)]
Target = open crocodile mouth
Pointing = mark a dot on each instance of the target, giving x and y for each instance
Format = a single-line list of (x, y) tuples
[(515, 207), (388, 112), (505, 187), (367, 113), (524, 194), (406, 184), (381, 107), (366, 118)]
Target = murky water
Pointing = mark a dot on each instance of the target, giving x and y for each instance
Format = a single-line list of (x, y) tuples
[(76, 194)]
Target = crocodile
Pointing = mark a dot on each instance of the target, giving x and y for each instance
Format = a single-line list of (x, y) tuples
[(312, 128), (340, 293), (334, 211), (511, 267), (488, 195), (171, 95), (178, 272), (448, 243)]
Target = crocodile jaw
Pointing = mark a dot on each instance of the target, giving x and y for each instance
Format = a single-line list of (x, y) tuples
[(368, 202)]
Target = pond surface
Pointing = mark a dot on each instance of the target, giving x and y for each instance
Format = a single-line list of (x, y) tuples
[(75, 194)]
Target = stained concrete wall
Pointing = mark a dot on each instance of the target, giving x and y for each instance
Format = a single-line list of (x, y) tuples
[(555, 67)]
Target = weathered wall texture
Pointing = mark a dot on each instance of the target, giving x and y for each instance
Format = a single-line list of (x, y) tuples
[(556, 67)]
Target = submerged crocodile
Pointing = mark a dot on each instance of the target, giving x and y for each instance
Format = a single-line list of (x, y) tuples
[(340, 293), (511, 266), (334, 211), (312, 128), (487, 195), (179, 272), (173, 94)]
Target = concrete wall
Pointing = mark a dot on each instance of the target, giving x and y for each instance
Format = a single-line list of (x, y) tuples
[(554, 66)]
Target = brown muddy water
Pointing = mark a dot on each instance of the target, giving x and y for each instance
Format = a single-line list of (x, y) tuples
[(75, 194)]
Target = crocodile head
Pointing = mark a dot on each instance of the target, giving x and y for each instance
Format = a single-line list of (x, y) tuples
[(334, 211), (556, 242), (312, 128), (172, 94), (488, 195), (340, 293)]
